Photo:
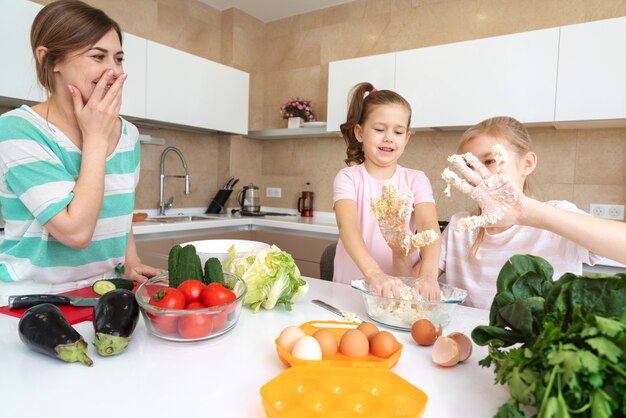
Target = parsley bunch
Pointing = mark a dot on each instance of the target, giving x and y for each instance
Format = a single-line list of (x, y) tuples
[(570, 337)]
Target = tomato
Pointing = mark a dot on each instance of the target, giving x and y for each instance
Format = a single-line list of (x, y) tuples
[(192, 289), (216, 294), (168, 298), (194, 305), (219, 320), (164, 324), (195, 325)]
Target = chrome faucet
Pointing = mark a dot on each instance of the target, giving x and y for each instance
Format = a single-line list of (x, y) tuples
[(163, 205)]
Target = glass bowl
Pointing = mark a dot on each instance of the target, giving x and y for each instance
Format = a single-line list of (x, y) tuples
[(206, 323), (402, 313)]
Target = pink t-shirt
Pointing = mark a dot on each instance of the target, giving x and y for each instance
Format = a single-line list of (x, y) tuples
[(478, 275), (354, 183)]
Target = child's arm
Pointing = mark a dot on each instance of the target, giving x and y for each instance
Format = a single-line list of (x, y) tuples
[(600, 236), (425, 219), (378, 281)]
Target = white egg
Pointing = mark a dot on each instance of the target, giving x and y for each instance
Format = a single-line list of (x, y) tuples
[(307, 348), (289, 336)]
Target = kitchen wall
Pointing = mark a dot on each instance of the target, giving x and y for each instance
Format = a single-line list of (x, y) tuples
[(290, 57)]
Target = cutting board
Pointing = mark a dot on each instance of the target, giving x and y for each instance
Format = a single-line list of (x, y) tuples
[(73, 314)]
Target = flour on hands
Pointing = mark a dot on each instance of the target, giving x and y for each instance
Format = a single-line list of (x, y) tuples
[(393, 212), (495, 193)]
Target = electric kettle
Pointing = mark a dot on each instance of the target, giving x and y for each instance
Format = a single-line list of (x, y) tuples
[(248, 198)]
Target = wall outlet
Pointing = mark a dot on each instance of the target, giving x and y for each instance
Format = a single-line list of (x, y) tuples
[(607, 211), (273, 192)]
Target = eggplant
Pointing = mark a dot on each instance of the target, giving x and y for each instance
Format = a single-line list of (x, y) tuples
[(115, 317), (44, 329)]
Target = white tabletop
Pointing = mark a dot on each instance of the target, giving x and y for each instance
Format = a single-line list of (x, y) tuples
[(220, 377)]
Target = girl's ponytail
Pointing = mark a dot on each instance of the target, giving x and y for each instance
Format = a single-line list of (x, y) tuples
[(357, 96)]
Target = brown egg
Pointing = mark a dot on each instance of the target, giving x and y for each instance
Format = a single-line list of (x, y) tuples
[(383, 344), (354, 344), (368, 329), (424, 333), (327, 341), (445, 352), (464, 343)]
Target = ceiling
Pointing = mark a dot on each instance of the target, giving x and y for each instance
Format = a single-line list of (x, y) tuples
[(268, 10)]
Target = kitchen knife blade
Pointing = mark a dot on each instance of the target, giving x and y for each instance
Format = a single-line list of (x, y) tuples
[(226, 185), (345, 315), (27, 301), (232, 183)]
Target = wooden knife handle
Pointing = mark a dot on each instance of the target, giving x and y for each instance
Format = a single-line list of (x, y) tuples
[(27, 301)]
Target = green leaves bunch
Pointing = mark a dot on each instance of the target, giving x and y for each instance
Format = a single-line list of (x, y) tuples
[(569, 339)]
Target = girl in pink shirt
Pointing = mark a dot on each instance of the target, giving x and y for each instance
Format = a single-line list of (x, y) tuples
[(376, 133), (557, 231)]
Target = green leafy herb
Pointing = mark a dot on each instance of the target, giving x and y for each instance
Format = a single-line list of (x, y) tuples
[(569, 358)]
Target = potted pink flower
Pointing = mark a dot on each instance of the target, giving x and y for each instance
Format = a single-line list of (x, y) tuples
[(297, 111)]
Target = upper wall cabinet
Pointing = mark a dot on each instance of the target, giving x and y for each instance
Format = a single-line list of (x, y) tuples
[(188, 90), (343, 75), (592, 71), (460, 84), (19, 77), (134, 93)]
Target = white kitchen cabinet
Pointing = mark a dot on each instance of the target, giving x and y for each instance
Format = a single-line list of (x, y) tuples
[(460, 84), (19, 77), (135, 65), (592, 71), (343, 75), (185, 89)]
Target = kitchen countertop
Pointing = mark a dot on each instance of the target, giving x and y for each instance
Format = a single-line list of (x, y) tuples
[(223, 376)]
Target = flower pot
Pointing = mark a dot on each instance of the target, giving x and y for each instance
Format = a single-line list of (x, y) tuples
[(294, 123)]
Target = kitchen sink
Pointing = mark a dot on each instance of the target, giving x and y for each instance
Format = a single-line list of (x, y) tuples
[(178, 218)]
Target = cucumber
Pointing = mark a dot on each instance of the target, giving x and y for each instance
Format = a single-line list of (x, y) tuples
[(101, 287), (184, 264), (213, 271), (172, 264)]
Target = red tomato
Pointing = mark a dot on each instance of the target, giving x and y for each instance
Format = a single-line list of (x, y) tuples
[(168, 298), (219, 320), (194, 305), (192, 289), (195, 325), (164, 324), (216, 294)]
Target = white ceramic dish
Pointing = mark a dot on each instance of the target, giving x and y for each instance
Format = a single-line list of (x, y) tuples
[(219, 248)]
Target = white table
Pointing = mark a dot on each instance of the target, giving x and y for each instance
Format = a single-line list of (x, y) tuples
[(220, 377)]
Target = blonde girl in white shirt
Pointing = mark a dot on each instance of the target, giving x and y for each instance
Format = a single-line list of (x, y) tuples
[(564, 235)]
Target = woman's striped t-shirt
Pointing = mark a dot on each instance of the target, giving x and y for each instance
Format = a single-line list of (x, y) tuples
[(39, 167)]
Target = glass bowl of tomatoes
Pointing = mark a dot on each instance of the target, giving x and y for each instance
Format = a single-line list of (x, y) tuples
[(193, 311)]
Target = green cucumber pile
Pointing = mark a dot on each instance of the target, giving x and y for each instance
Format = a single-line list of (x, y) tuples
[(569, 358), (184, 264)]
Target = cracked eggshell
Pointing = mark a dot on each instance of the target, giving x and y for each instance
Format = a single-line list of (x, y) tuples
[(445, 352), (464, 343)]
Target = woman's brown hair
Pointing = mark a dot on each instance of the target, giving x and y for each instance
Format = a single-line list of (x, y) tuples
[(63, 27), (511, 130), (364, 97)]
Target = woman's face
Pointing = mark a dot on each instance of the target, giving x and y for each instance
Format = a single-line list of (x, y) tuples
[(482, 148), (83, 69), (384, 135)]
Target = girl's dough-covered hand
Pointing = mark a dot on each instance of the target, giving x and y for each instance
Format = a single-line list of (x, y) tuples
[(393, 212), (387, 286), (496, 194)]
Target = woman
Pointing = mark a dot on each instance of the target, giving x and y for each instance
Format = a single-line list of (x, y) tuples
[(69, 165)]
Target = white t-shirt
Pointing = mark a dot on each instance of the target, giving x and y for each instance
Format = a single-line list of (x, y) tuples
[(478, 275)]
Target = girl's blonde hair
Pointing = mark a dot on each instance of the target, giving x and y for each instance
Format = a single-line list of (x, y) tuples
[(363, 98), (63, 27), (511, 130)]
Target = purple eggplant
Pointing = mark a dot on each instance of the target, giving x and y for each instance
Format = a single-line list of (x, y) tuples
[(115, 317), (44, 329)]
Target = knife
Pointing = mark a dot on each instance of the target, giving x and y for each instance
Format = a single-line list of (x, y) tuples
[(336, 311), (27, 301)]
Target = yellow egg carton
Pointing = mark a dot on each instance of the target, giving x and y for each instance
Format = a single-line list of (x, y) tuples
[(338, 359), (340, 386), (341, 392)]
